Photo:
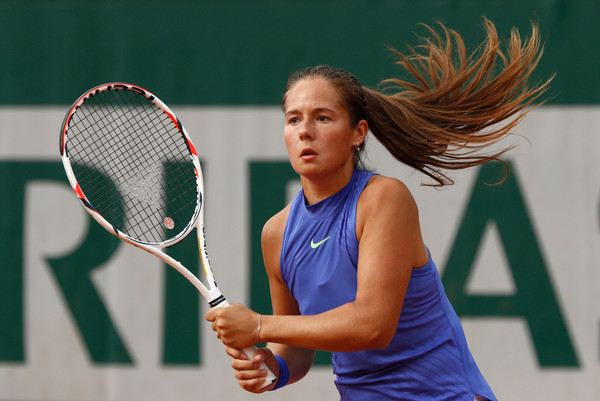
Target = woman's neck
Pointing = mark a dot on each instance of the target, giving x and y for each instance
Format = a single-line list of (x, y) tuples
[(315, 190)]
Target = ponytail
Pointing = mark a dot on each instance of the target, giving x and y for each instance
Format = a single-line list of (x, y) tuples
[(455, 105)]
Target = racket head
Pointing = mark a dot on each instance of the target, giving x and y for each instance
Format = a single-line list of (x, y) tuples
[(116, 142), (132, 164)]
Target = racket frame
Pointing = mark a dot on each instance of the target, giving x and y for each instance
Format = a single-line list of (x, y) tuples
[(210, 292)]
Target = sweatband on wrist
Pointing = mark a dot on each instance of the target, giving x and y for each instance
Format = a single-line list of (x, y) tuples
[(284, 373)]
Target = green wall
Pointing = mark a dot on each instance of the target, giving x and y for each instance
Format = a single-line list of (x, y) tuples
[(241, 52)]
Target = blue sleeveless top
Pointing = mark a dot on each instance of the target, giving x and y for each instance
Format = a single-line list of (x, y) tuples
[(428, 358)]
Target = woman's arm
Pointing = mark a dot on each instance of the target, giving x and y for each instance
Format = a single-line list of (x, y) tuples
[(298, 360), (390, 247)]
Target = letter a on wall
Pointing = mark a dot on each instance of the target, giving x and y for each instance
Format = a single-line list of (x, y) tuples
[(535, 300)]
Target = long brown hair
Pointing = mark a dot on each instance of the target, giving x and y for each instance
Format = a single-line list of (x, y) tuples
[(458, 104)]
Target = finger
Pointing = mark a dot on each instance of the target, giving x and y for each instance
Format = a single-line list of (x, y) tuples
[(252, 380), (266, 355), (246, 370), (210, 315), (236, 353), (253, 385), (250, 374), (262, 354), (241, 364)]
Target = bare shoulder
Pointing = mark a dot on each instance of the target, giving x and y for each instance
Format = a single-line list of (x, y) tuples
[(271, 240), (386, 201), (275, 226), (382, 190), (387, 209)]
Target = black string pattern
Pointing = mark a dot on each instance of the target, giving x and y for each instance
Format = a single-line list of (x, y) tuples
[(133, 164)]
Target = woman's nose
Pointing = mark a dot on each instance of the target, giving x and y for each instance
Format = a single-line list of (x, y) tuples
[(305, 131)]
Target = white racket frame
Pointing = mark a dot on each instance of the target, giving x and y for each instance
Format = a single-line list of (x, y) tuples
[(211, 293)]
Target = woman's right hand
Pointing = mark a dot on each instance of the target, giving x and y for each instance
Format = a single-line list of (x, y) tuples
[(248, 373)]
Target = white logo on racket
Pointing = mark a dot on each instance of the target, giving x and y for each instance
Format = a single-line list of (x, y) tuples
[(142, 185), (169, 223)]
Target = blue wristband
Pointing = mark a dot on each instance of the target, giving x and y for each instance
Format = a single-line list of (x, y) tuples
[(284, 373)]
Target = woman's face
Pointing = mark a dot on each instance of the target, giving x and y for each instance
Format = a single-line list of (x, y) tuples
[(318, 135)]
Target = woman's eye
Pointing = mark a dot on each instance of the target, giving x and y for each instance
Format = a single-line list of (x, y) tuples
[(322, 118), (293, 120)]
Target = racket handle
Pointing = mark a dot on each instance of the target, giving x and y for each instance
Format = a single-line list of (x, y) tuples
[(270, 378)]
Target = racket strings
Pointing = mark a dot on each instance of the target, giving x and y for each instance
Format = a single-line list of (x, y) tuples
[(133, 164)]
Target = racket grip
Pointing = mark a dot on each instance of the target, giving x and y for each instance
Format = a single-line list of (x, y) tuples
[(270, 378)]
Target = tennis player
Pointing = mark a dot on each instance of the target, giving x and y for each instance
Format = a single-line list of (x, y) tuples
[(349, 271)]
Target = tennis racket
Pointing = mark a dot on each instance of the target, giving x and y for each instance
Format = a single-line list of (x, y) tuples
[(135, 170)]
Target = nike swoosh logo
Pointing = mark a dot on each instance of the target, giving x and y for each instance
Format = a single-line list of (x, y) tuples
[(314, 245)]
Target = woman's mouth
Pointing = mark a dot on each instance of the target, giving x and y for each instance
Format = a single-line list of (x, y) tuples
[(306, 153)]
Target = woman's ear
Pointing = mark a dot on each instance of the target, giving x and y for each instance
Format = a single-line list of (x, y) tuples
[(362, 128)]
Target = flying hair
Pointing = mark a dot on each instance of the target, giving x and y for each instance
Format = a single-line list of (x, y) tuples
[(455, 105)]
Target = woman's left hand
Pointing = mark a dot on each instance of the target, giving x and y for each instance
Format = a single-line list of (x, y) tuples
[(236, 326), (248, 373)]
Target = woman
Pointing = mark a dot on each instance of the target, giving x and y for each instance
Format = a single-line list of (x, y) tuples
[(348, 269)]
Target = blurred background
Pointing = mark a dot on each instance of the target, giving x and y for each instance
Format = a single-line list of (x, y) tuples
[(86, 318)]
